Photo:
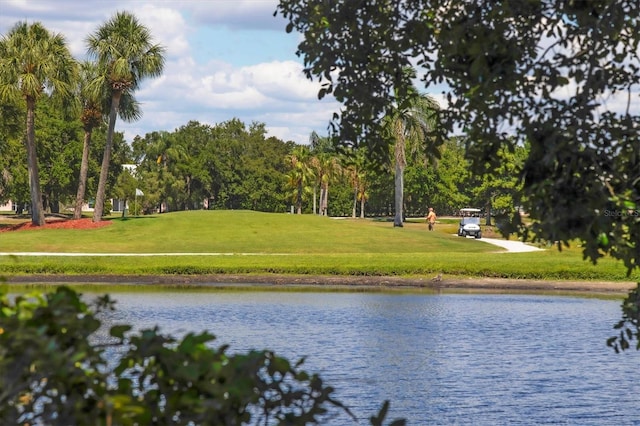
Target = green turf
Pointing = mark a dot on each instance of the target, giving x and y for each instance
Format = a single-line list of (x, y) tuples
[(253, 242)]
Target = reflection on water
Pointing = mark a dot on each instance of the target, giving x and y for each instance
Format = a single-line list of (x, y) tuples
[(440, 359)]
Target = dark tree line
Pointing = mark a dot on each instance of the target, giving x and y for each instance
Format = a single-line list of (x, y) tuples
[(36, 66), (234, 166), (59, 157), (562, 76)]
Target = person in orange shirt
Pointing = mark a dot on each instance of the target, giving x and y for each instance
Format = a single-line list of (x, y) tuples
[(431, 218)]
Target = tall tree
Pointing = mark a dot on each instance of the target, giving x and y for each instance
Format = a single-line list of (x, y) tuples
[(90, 116), (58, 133), (315, 142), (125, 55), (299, 174), (563, 75), (125, 190), (354, 166), (453, 189), (154, 156), (537, 71), (326, 167), (34, 63), (500, 189), (410, 128), (11, 127), (93, 111)]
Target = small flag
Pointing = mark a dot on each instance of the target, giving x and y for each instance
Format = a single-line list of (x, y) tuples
[(139, 193)]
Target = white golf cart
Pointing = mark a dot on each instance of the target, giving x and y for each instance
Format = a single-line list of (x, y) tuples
[(469, 223)]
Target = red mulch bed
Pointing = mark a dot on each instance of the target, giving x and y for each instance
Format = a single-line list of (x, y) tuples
[(57, 223)]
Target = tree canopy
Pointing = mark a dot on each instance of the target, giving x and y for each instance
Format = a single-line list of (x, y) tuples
[(125, 55), (512, 71), (560, 75), (33, 64)]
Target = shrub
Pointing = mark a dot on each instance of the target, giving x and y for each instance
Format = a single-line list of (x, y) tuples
[(58, 365)]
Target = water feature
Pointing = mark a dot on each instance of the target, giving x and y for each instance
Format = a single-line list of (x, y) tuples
[(440, 359)]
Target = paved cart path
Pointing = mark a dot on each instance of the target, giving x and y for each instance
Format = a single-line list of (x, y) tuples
[(511, 246)]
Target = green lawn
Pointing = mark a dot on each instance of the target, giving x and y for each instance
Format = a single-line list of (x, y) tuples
[(256, 243)]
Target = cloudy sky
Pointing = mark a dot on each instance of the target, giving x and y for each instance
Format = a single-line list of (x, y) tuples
[(225, 59)]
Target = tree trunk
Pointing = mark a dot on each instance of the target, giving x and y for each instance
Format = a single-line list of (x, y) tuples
[(106, 158), (37, 214), (355, 201), (188, 185), (325, 200), (362, 207), (323, 206), (315, 206), (82, 181), (54, 204), (401, 161), (399, 188), (299, 198), (488, 207)]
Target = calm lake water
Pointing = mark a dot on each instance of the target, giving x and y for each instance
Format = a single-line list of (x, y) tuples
[(441, 359)]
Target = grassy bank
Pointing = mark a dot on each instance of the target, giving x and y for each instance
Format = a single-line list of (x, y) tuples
[(244, 242)]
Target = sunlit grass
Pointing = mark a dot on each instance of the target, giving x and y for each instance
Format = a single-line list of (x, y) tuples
[(245, 242)]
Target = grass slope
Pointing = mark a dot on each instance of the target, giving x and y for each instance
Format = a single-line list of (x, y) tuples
[(254, 242)]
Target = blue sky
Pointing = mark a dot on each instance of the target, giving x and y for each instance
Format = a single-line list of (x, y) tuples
[(225, 59)]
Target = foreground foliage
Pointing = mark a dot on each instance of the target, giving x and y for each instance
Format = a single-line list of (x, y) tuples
[(58, 365), (561, 76), (629, 325)]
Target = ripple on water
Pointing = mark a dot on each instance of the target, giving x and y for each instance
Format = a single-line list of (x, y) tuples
[(440, 359)]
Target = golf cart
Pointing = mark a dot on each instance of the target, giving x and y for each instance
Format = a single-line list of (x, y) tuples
[(470, 223)]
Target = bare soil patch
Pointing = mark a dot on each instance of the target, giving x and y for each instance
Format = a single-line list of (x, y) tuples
[(53, 222), (472, 284)]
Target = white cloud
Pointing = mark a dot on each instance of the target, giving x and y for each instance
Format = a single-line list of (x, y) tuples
[(276, 94), (282, 80), (167, 26)]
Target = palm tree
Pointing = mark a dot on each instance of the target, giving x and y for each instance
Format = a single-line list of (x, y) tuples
[(172, 156), (326, 167), (94, 106), (125, 56), (409, 128), (329, 168), (318, 146), (353, 166), (34, 62), (299, 175), (91, 117)]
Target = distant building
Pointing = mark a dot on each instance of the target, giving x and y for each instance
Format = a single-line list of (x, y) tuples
[(116, 204), (8, 206)]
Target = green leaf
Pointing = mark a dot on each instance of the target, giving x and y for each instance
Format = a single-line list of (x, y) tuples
[(119, 330)]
